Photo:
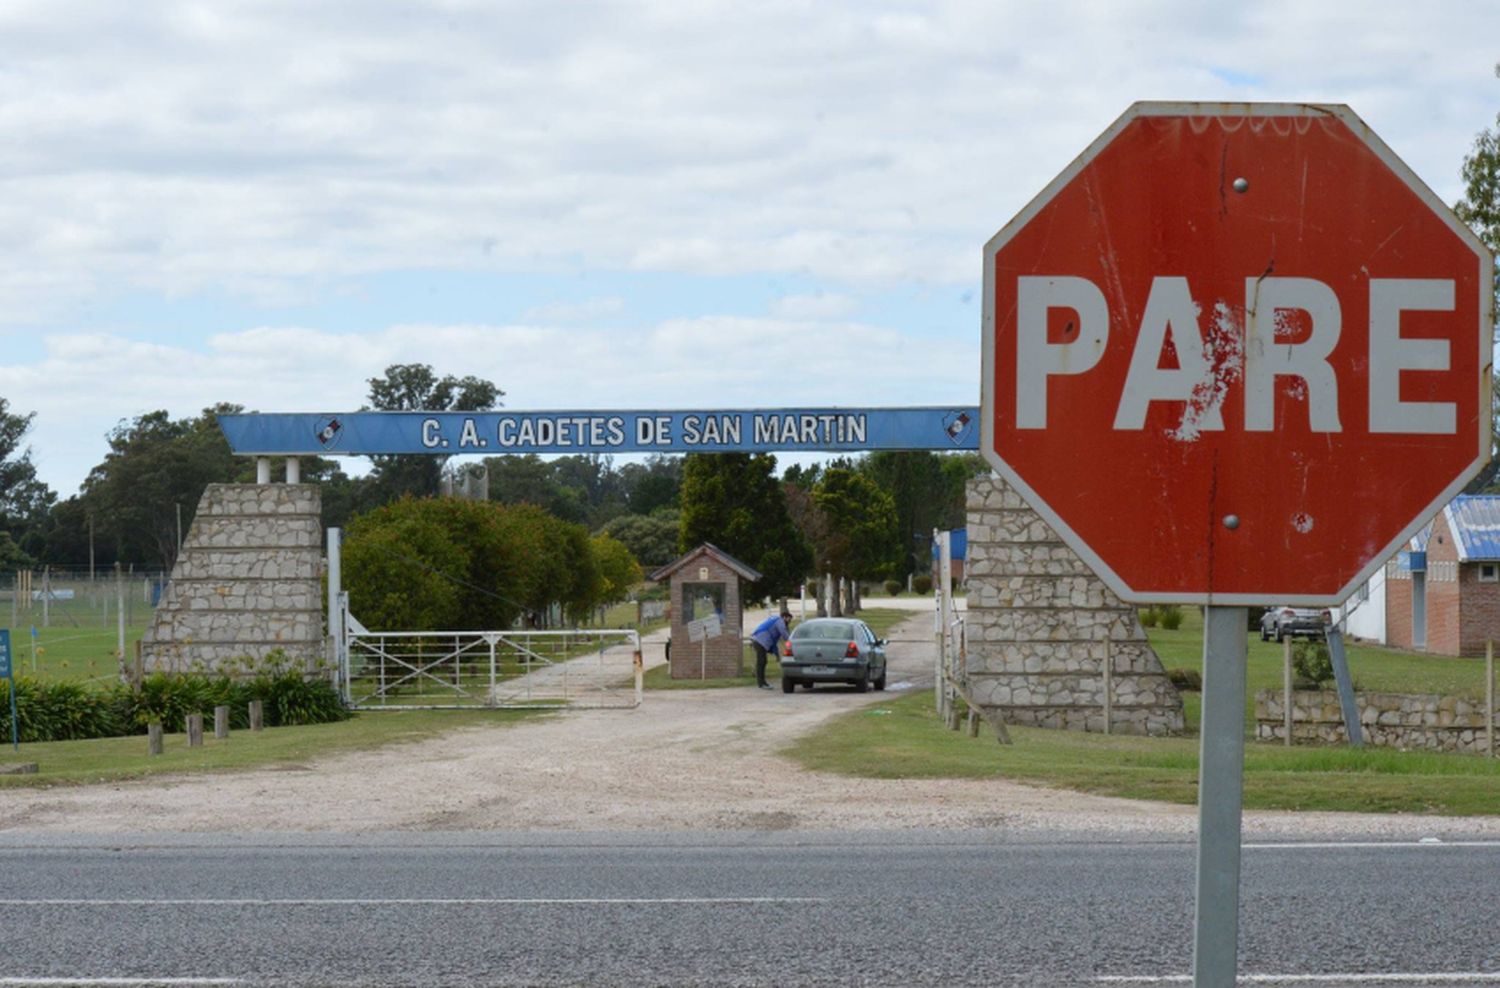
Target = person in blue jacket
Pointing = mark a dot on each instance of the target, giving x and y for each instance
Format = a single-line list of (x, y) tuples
[(766, 636)]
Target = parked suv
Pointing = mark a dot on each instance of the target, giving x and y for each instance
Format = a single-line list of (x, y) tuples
[(1307, 622)]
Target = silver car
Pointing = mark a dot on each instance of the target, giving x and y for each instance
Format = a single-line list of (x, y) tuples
[(833, 650), (1281, 622)]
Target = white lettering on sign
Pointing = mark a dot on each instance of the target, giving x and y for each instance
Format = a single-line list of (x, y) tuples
[(1390, 354), (1169, 308), (470, 435), (1267, 302), (1302, 307), (432, 433), (1035, 297)]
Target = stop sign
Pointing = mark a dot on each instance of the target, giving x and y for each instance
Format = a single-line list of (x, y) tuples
[(1236, 354)]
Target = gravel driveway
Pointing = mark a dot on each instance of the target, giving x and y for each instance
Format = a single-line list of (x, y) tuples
[(685, 760)]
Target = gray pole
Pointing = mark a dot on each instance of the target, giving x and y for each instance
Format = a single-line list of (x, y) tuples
[(120, 616), (1221, 775), (1286, 687), (1345, 685), (335, 610)]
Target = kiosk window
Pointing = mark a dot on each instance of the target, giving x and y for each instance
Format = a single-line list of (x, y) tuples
[(699, 600)]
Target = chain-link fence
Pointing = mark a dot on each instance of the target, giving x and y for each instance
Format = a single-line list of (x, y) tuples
[(76, 598)]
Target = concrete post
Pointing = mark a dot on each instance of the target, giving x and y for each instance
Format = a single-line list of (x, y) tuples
[(293, 470), (262, 470)]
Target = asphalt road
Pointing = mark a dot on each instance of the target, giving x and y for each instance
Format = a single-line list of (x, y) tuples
[(760, 908)]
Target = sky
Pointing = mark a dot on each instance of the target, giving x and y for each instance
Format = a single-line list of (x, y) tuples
[(596, 205)]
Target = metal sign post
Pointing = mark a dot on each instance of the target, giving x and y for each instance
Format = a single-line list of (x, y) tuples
[(7, 671), (1221, 775)]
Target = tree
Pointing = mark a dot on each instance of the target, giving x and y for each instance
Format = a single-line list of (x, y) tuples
[(652, 485), (1480, 209), (157, 467), (734, 501), (618, 570), (652, 539), (861, 540), (417, 388), (24, 499)]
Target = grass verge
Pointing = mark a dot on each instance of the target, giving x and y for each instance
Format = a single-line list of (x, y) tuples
[(111, 759), (902, 738)]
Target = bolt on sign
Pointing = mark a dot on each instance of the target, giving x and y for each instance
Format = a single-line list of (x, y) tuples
[(1236, 353)]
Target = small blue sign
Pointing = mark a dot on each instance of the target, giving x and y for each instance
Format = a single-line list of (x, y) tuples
[(792, 430), (7, 672)]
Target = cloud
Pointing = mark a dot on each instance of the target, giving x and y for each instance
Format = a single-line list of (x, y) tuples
[(582, 310), (86, 383), (243, 146), (823, 305)]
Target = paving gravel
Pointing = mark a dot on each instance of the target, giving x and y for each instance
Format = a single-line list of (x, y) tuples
[(702, 760)]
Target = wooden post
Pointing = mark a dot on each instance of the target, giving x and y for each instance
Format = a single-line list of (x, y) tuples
[(973, 723), (1286, 688), (153, 738), (195, 730), (952, 716), (256, 717), (221, 722), (1489, 696)]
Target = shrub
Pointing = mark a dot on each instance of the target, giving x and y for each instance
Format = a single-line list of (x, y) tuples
[(1186, 679), (69, 711), (1171, 617), (1150, 616), (1312, 663), (892, 587), (922, 583)]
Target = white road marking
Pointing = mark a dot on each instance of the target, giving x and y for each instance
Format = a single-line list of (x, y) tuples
[(122, 982), (1405, 978), (1425, 842), (679, 901)]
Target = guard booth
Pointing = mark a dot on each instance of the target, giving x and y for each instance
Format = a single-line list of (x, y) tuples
[(707, 614)]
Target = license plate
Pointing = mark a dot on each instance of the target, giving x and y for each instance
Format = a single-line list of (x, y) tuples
[(820, 670)]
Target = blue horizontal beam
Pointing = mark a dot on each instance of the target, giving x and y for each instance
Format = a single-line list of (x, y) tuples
[(490, 433)]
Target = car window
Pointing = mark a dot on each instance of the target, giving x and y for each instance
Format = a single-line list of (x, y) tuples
[(825, 629)]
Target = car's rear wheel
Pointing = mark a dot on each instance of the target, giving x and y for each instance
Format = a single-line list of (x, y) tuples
[(862, 683), (787, 685), (880, 682)]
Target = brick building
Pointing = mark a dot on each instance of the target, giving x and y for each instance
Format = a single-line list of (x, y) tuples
[(706, 584), (1443, 591)]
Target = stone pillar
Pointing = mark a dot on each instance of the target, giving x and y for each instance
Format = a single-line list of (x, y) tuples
[(246, 583), (1041, 626)]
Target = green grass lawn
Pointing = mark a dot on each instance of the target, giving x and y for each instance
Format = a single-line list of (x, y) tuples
[(108, 759), (1374, 667), (902, 738), (880, 619), (66, 652)]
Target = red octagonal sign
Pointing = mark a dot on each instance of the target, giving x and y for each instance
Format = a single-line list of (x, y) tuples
[(1236, 354)]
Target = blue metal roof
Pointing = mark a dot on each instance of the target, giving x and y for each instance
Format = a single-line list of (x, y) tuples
[(1419, 541), (958, 544), (1475, 522)]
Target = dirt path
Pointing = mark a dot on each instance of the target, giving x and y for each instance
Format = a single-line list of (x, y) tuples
[(685, 760)]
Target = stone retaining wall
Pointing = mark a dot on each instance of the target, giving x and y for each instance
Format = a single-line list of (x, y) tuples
[(248, 580), (1427, 721), (1041, 628)]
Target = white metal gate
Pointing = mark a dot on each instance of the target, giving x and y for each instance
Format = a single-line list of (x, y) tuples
[(398, 670)]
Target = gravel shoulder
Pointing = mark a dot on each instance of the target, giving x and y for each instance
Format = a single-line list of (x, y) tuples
[(699, 760)]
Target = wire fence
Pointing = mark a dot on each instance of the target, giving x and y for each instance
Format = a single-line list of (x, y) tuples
[(75, 598)]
